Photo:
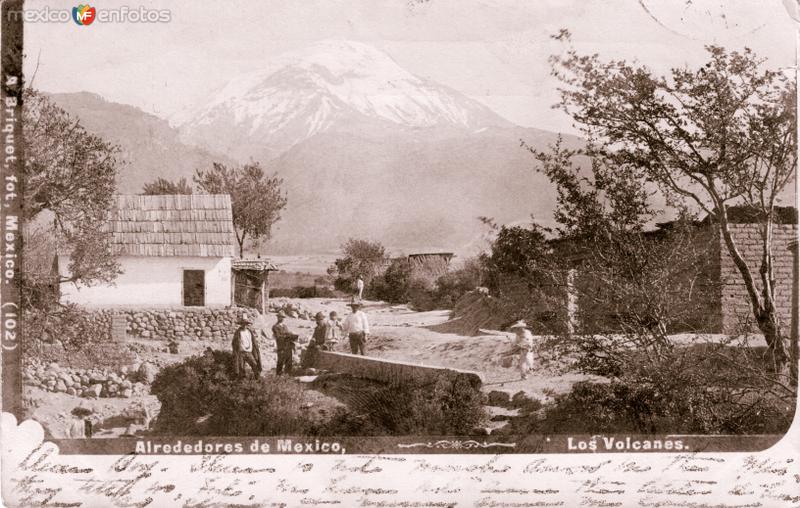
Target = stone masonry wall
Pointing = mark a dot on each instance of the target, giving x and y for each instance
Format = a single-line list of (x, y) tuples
[(389, 371), (736, 309), (177, 324)]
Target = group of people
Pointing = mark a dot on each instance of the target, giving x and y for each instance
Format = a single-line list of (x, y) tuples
[(328, 332)]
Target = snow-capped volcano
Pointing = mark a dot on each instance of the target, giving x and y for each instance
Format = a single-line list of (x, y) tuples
[(328, 85)]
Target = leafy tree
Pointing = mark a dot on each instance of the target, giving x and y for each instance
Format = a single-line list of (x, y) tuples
[(518, 251), (256, 199), (394, 284), (164, 186), (70, 182), (707, 138), (361, 257)]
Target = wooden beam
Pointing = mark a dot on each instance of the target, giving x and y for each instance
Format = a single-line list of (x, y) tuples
[(233, 288), (263, 295)]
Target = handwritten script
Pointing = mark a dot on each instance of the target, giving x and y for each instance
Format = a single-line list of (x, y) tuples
[(44, 478)]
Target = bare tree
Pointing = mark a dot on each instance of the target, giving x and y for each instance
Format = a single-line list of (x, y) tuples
[(709, 138), (70, 173)]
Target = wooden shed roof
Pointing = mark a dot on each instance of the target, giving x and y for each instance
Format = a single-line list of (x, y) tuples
[(172, 225), (256, 265)]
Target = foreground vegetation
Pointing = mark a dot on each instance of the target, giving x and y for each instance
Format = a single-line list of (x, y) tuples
[(199, 396)]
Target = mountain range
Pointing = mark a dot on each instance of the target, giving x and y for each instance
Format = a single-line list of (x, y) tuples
[(366, 149)]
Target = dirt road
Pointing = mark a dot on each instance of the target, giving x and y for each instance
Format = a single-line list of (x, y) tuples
[(397, 333)]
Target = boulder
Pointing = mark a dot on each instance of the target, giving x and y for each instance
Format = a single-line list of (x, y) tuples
[(60, 386), (126, 393), (95, 390), (147, 372)]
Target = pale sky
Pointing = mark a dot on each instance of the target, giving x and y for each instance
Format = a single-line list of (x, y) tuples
[(494, 51)]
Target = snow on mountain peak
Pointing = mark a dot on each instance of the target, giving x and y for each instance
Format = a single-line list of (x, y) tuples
[(306, 91)]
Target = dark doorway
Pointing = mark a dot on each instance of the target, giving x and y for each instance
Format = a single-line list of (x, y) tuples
[(194, 288)]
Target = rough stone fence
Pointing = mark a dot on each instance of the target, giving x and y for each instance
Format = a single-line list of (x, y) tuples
[(168, 324), (390, 371)]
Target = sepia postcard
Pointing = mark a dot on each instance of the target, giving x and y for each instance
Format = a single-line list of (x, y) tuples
[(404, 253)]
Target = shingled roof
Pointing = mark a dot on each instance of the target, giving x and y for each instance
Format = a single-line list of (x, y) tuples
[(173, 225)]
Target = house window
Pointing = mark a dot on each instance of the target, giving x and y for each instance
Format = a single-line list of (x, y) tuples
[(194, 288)]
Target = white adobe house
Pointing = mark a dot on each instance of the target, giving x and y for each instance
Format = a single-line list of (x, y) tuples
[(174, 251)]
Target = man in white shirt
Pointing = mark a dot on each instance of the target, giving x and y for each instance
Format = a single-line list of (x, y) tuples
[(245, 349), (359, 288), (356, 326)]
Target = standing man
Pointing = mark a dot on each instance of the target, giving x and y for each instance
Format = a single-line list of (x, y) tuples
[(284, 344), (245, 349), (357, 328), (524, 345), (359, 288)]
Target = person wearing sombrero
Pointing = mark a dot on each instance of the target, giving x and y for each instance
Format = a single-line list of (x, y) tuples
[(523, 344), (356, 326), (245, 349)]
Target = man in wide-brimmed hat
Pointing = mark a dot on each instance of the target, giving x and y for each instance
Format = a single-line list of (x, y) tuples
[(524, 346), (245, 348), (356, 325), (284, 343)]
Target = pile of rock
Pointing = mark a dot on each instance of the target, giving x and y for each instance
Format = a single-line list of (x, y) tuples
[(291, 309), (95, 382)]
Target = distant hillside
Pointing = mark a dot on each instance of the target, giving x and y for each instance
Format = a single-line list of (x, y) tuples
[(366, 149), (149, 145)]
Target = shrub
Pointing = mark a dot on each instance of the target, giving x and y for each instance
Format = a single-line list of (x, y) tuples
[(303, 292), (393, 285), (451, 286), (73, 337), (690, 391), (450, 407), (398, 285), (199, 396), (626, 406), (69, 325)]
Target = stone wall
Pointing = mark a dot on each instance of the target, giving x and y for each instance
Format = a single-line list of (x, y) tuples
[(177, 324), (736, 309), (389, 371)]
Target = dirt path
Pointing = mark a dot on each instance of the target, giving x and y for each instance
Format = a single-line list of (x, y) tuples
[(398, 333)]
